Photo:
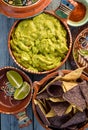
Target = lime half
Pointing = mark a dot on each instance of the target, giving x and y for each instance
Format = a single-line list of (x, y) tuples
[(22, 92), (14, 78)]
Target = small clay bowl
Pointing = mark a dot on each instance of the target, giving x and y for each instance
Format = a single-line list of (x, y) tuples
[(81, 42), (37, 85), (8, 105), (69, 44), (23, 11)]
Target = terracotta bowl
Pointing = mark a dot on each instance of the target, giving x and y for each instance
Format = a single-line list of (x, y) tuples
[(8, 105), (81, 42), (23, 11), (39, 84), (16, 106), (69, 44)]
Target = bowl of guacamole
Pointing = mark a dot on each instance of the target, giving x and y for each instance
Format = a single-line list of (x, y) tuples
[(41, 44)]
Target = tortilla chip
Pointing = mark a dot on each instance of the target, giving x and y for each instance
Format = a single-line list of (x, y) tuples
[(59, 107), (69, 85), (55, 89), (75, 98), (42, 116), (43, 95), (72, 128), (51, 113), (84, 88), (73, 75), (40, 106), (51, 80), (69, 109), (41, 112), (58, 83), (78, 118), (56, 99), (57, 121)]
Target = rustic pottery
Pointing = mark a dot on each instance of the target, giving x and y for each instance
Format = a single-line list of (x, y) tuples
[(81, 42), (25, 11), (38, 84), (7, 103), (85, 18), (69, 43)]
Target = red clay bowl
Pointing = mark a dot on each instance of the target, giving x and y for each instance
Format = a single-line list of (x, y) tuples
[(68, 39), (39, 84), (8, 104), (81, 43), (23, 11)]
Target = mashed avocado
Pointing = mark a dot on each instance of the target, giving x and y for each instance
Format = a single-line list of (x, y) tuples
[(39, 44)]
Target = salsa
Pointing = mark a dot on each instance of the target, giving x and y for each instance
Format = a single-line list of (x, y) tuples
[(78, 13)]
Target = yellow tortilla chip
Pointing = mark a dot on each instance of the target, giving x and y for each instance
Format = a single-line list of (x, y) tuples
[(69, 85), (69, 109), (51, 113), (56, 99), (40, 106), (73, 75), (56, 79), (64, 89)]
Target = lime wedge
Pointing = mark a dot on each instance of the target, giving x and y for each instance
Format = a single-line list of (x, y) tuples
[(14, 78), (22, 92)]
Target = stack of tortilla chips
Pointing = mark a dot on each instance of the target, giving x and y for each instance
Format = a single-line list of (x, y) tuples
[(62, 103)]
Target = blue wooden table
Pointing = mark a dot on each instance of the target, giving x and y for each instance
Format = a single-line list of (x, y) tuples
[(9, 122)]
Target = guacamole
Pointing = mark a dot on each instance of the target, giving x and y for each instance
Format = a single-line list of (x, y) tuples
[(39, 44)]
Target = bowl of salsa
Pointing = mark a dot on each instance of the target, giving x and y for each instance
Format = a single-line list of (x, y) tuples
[(79, 14)]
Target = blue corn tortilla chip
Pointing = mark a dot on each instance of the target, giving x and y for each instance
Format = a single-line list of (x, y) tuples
[(57, 121), (78, 118), (55, 89), (42, 116), (75, 98), (72, 128), (59, 107), (84, 89), (43, 95)]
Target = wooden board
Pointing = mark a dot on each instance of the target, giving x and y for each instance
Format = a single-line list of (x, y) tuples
[(9, 122)]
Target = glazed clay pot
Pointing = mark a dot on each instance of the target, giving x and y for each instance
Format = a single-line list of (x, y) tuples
[(38, 84), (23, 11), (8, 105), (81, 42), (69, 44)]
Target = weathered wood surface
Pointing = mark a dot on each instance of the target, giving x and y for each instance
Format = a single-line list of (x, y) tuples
[(9, 122)]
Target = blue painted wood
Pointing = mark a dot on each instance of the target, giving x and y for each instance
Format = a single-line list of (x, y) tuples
[(9, 122)]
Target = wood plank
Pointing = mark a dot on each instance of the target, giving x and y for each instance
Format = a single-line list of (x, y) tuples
[(37, 126), (5, 25), (9, 122)]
